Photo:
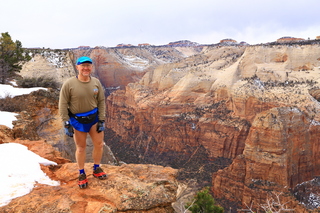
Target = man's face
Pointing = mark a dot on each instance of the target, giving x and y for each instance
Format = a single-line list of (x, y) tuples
[(84, 69)]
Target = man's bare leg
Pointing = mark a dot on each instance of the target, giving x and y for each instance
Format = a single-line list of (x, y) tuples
[(80, 141), (98, 143)]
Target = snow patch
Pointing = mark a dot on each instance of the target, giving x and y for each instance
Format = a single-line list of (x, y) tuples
[(20, 171), (314, 200), (8, 90), (136, 62), (56, 58), (14, 83), (259, 83), (7, 118), (315, 123)]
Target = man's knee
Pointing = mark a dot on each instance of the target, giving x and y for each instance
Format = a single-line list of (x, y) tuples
[(81, 149), (98, 145)]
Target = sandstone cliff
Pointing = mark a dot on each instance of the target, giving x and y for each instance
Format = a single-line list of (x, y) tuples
[(281, 151), (250, 105)]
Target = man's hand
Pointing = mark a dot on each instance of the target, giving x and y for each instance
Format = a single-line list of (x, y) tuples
[(100, 126), (68, 129)]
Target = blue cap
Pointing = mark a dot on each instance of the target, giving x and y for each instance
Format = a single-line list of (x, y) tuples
[(84, 59)]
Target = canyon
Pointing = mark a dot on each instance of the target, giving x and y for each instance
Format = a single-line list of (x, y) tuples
[(251, 106), (241, 119)]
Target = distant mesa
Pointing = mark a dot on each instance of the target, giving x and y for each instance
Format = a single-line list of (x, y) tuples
[(180, 43), (288, 39), (144, 45), (243, 43), (124, 45), (84, 47), (228, 41), (183, 43), (223, 42), (99, 47)]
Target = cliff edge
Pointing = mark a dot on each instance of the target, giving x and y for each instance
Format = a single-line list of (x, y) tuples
[(128, 188)]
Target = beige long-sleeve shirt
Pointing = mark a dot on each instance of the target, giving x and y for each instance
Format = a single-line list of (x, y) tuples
[(80, 97)]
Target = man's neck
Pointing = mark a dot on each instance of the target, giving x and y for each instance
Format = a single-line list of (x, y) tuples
[(84, 78)]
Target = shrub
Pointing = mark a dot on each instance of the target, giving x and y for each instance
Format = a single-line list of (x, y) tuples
[(204, 203), (38, 82), (10, 105)]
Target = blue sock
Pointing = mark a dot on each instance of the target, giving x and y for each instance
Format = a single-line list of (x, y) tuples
[(95, 166), (81, 171)]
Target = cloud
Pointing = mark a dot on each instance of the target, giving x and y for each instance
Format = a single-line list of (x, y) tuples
[(60, 24)]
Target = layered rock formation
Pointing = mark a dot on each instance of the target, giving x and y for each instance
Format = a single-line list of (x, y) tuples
[(247, 104), (289, 39), (281, 151), (244, 118)]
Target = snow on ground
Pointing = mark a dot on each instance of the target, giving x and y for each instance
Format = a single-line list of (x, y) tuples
[(20, 171), (55, 58), (6, 118), (14, 83), (136, 62), (19, 168), (8, 90)]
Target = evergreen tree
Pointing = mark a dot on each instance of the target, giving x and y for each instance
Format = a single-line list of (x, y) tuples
[(204, 203), (12, 55)]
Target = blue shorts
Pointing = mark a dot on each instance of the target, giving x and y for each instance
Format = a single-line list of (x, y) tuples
[(84, 127)]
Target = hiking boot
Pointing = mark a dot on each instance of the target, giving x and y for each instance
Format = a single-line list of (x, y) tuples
[(99, 173), (83, 181)]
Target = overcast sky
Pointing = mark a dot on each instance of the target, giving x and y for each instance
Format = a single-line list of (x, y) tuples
[(73, 23)]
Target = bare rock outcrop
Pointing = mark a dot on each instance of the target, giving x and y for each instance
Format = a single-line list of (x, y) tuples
[(128, 188)]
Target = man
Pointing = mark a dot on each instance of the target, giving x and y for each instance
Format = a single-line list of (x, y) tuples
[(82, 109)]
